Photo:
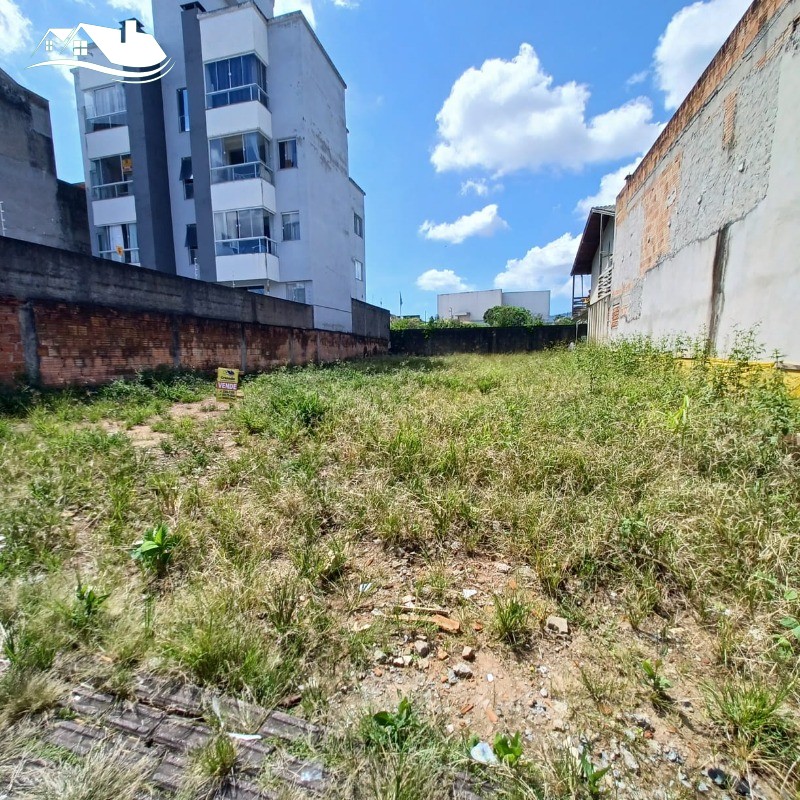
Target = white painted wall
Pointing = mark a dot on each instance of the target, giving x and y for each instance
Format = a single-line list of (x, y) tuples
[(468, 306), (538, 303), (308, 103)]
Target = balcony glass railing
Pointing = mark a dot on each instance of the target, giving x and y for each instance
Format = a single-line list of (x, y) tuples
[(241, 94), (239, 247), (241, 172), (126, 257), (108, 191), (117, 120)]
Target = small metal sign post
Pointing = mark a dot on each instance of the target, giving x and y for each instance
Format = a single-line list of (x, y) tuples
[(227, 384)]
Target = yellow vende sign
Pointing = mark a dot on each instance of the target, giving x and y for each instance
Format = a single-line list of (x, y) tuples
[(227, 383)]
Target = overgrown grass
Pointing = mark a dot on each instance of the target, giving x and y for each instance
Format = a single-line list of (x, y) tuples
[(603, 470)]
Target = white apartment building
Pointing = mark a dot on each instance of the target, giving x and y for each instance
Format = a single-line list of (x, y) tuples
[(233, 167)]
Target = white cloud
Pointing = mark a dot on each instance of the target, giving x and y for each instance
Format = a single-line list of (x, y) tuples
[(15, 29), (610, 186), (485, 222), (690, 41), (481, 188), (509, 116), (542, 268), (637, 78), (141, 9), (442, 280), (285, 6)]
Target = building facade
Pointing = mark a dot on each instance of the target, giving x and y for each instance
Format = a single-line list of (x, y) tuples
[(34, 204), (471, 306), (592, 271), (707, 234), (233, 167)]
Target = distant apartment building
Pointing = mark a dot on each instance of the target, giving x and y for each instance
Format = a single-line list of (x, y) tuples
[(233, 167), (34, 204), (706, 237), (471, 306)]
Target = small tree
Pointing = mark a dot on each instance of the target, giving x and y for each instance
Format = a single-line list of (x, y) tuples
[(508, 317)]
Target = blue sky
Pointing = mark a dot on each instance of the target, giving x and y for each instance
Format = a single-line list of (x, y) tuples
[(482, 133)]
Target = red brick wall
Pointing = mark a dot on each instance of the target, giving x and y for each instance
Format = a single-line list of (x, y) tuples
[(87, 344), (90, 344), (12, 360)]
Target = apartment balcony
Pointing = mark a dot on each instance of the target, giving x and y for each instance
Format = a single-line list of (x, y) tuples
[(111, 210), (250, 115), (102, 142), (111, 191), (233, 188), (240, 260)]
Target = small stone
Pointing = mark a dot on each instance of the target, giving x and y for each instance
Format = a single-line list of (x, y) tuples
[(719, 776), (468, 594), (543, 691), (407, 599), (630, 762), (501, 567), (452, 678), (379, 657), (462, 670), (703, 787), (468, 654), (441, 654), (399, 661), (643, 722), (558, 625), (742, 787), (377, 672), (422, 648)]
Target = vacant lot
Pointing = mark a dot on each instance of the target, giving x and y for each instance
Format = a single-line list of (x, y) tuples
[(335, 540)]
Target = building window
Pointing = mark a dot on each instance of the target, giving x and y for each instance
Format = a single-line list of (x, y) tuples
[(187, 178), (359, 267), (296, 292), (358, 225), (257, 289), (111, 177), (236, 80), (191, 243), (80, 47), (246, 231), (105, 108), (119, 243), (239, 157), (287, 153), (183, 109), (291, 226)]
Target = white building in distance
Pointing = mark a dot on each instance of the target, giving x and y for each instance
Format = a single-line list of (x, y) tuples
[(471, 306), (233, 167)]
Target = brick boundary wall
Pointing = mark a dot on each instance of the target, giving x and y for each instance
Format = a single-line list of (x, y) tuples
[(757, 16), (68, 319), (56, 344), (447, 341)]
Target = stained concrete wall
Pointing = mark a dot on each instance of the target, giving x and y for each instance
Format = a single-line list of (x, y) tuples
[(474, 339), (707, 239), (35, 272), (37, 206)]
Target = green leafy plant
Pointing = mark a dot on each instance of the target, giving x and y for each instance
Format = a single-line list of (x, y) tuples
[(657, 683), (508, 749), (392, 729), (154, 551), (508, 317), (88, 603), (217, 759), (591, 776)]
